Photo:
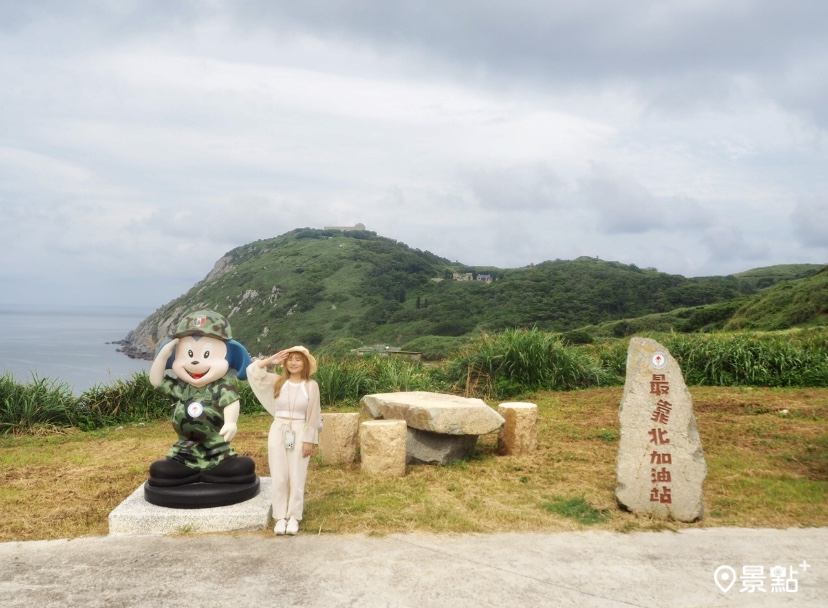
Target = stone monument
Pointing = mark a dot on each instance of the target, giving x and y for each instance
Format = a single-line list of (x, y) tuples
[(660, 465)]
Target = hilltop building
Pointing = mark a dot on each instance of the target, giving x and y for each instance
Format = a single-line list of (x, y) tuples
[(346, 228)]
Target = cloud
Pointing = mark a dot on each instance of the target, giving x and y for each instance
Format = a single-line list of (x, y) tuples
[(642, 43), (622, 206), (524, 187), (810, 220), (141, 140), (727, 243)]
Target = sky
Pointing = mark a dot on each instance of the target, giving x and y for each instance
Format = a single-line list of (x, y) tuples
[(142, 140)]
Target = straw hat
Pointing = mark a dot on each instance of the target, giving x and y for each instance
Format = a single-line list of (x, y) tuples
[(306, 352)]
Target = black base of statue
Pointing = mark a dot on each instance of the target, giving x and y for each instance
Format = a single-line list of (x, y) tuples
[(201, 495)]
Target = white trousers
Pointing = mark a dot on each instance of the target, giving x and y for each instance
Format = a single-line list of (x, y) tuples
[(288, 469)]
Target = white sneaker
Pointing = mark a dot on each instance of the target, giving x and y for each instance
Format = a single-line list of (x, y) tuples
[(292, 526), (280, 527)]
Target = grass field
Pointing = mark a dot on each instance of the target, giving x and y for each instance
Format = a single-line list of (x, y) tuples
[(766, 469)]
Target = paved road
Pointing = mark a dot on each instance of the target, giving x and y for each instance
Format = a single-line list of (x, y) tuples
[(583, 569)]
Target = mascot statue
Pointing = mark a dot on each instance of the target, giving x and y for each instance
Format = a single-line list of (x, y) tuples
[(201, 469)]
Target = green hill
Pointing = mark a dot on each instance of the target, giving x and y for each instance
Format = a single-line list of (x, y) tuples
[(791, 303), (317, 287), (768, 276), (801, 302)]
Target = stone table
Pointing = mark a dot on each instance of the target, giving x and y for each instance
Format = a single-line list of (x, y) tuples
[(441, 427)]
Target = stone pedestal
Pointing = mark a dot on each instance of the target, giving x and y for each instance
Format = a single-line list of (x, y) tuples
[(339, 438), (135, 516), (519, 434), (424, 447), (382, 447)]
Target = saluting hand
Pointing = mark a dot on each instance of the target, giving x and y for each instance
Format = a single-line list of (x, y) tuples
[(276, 359)]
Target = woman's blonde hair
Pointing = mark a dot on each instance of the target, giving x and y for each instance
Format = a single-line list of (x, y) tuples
[(285, 376)]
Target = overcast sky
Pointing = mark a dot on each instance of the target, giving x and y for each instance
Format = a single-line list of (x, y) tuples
[(142, 140)]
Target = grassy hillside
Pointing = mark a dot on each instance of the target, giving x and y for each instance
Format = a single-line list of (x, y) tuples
[(307, 286), (767, 276), (340, 289), (790, 303)]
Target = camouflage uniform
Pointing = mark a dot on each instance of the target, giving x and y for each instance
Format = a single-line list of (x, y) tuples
[(197, 418), (197, 414)]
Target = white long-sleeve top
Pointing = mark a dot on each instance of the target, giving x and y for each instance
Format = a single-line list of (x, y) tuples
[(299, 401)]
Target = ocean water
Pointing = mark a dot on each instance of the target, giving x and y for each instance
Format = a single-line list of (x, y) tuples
[(68, 345)]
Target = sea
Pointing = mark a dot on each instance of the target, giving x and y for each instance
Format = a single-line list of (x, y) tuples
[(70, 346)]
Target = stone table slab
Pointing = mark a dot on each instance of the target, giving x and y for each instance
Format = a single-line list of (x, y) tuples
[(434, 412)]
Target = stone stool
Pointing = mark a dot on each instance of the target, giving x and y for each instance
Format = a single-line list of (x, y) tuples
[(519, 434), (382, 447), (339, 438)]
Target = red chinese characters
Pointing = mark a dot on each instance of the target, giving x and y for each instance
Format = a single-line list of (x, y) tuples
[(662, 412), (659, 385), (661, 478)]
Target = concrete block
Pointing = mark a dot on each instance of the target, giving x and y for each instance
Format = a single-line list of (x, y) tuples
[(137, 517)]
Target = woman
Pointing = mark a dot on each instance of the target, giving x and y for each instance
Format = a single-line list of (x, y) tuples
[(292, 398)]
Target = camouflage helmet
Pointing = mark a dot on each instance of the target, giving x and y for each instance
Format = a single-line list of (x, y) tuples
[(206, 323)]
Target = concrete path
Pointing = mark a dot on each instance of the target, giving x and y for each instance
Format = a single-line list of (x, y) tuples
[(581, 569)]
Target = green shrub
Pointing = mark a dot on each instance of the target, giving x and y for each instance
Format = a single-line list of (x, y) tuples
[(499, 365), (612, 357), (248, 402), (436, 348), (575, 337), (393, 374)]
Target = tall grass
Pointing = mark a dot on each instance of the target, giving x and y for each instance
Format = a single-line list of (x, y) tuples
[(42, 403), (611, 356), (343, 380), (749, 359), (347, 380), (132, 400), (523, 360), (493, 366)]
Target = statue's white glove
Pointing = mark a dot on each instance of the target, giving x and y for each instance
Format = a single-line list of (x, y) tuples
[(228, 431)]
